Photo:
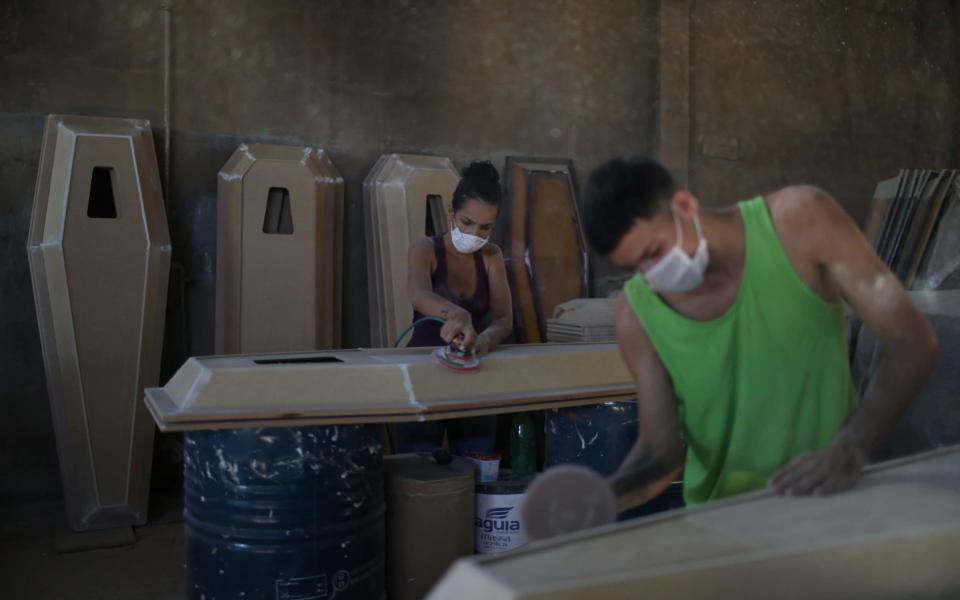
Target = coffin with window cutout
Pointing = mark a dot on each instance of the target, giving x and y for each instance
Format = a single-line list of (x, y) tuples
[(279, 251), (99, 254), (543, 245), (406, 196)]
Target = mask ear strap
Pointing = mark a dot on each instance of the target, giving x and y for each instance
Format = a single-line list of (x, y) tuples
[(696, 223), (676, 223)]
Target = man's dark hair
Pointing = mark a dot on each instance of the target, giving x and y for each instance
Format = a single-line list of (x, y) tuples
[(620, 191)]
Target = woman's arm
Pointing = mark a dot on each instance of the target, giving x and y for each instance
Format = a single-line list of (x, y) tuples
[(420, 289), (501, 304)]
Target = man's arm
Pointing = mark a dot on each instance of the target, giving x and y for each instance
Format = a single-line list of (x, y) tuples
[(907, 342), (657, 457)]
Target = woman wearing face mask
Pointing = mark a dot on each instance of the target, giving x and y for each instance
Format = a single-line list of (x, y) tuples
[(460, 278)]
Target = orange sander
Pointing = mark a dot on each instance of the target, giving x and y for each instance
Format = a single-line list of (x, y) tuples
[(455, 357)]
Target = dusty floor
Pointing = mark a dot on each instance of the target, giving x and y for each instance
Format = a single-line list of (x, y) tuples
[(30, 568)]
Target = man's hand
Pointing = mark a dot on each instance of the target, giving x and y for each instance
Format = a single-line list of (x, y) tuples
[(826, 472)]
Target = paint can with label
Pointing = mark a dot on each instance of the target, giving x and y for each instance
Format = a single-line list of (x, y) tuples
[(497, 520)]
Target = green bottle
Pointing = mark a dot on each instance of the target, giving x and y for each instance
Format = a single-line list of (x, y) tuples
[(523, 445)]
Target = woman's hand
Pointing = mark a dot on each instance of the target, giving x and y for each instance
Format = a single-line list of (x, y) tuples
[(482, 346), (459, 323)]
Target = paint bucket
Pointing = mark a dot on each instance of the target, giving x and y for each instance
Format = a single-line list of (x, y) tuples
[(497, 521), (285, 513)]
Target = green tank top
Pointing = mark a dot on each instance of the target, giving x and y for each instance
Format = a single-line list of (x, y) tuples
[(764, 382)]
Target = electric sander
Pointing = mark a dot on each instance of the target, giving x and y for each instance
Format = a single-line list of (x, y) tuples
[(455, 357), (565, 499)]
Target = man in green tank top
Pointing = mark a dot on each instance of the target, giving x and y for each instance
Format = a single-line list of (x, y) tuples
[(733, 329)]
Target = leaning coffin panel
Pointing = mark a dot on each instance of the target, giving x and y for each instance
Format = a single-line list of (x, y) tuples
[(99, 254)]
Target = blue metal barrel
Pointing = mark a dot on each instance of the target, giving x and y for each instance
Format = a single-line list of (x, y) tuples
[(600, 436), (285, 513)]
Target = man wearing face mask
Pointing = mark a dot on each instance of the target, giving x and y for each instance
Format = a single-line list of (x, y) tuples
[(733, 329), (460, 278)]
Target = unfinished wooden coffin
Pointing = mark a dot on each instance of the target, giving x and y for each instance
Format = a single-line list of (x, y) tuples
[(385, 385), (896, 535), (99, 254), (543, 243), (279, 251), (406, 197)]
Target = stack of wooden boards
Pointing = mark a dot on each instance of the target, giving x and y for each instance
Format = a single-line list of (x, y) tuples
[(405, 197), (542, 241), (99, 254), (279, 251), (895, 535), (582, 320), (914, 225)]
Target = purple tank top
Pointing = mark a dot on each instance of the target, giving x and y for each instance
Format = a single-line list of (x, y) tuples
[(478, 305)]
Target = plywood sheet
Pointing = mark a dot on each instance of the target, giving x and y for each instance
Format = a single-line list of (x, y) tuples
[(352, 386), (400, 192), (544, 248), (897, 534), (334, 264), (914, 231), (913, 205), (938, 200), (884, 194), (279, 250), (99, 254), (515, 216), (940, 265), (556, 247), (374, 279)]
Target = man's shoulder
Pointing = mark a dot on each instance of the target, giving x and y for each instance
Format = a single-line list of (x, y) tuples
[(805, 216), (798, 202)]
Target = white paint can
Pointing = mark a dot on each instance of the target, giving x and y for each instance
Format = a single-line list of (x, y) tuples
[(497, 520)]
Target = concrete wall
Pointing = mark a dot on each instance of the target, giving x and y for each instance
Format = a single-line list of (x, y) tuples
[(359, 78), (840, 94)]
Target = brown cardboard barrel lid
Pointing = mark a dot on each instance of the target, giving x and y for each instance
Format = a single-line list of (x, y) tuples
[(420, 473)]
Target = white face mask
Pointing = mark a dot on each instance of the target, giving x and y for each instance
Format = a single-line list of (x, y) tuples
[(465, 242), (676, 272)]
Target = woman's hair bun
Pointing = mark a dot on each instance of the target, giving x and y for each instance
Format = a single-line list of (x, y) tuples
[(481, 181), (481, 170)]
